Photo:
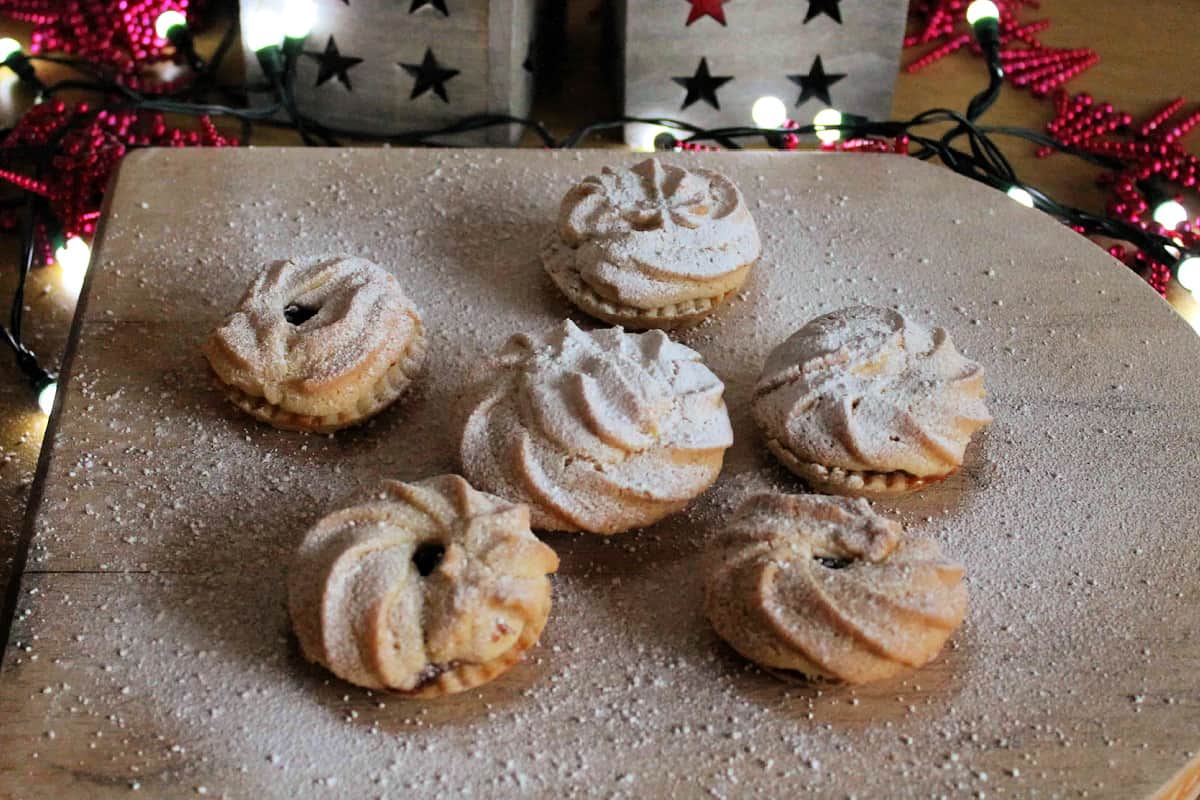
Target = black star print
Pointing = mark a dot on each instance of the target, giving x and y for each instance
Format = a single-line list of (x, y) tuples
[(827, 7), (332, 64), (430, 75), (702, 86), (440, 5), (816, 83)]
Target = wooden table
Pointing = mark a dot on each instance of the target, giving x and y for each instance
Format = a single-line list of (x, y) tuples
[(1148, 58)]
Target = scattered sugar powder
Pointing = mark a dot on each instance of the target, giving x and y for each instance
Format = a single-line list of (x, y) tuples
[(167, 519)]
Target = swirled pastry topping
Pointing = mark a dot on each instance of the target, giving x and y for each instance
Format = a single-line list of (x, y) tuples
[(433, 588), (333, 338), (867, 389), (653, 236), (827, 587), (600, 431)]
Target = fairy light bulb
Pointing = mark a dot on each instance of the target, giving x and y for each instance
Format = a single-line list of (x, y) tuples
[(262, 29), (642, 137), (46, 395), (1170, 214), (1188, 274), (826, 122), (168, 21), (299, 18), (768, 112), (18, 63), (982, 10), (1022, 196), (73, 258), (8, 46)]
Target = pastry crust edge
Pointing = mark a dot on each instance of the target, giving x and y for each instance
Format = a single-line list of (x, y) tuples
[(464, 677), (849, 482), (675, 315), (388, 388)]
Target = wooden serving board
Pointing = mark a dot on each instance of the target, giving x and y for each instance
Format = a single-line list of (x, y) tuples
[(150, 648)]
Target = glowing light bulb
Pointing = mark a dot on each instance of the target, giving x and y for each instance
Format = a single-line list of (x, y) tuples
[(262, 29), (1021, 196), (641, 137), (168, 20), (981, 10), (826, 122), (1169, 214), (768, 112), (45, 398), (73, 258), (298, 19), (8, 46), (1188, 274)]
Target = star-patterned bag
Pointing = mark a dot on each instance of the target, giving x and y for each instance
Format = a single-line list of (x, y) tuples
[(388, 65), (709, 62)]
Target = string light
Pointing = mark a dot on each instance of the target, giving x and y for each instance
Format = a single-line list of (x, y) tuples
[(298, 20), (826, 124), (46, 393), (1022, 196), (11, 56), (73, 257), (168, 21), (1188, 274), (982, 11), (67, 138), (1170, 214), (984, 18), (262, 30), (172, 26), (644, 138), (768, 112), (8, 46)]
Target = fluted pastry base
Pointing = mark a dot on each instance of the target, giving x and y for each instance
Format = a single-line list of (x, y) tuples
[(851, 482), (460, 677), (361, 407), (559, 262)]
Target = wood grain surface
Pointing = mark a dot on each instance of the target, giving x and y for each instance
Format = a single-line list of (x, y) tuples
[(150, 648)]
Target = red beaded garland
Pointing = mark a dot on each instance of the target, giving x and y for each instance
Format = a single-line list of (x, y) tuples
[(1079, 121), (1034, 66), (90, 143), (941, 19), (694, 147), (118, 35), (1153, 152)]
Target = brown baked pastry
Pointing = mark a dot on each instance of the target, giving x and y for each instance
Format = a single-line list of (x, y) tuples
[(827, 587), (433, 588), (655, 246), (864, 401), (318, 345), (599, 431)]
